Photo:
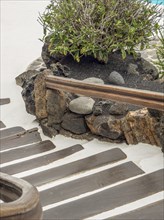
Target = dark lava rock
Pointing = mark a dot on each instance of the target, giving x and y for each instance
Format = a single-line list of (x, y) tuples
[(160, 131), (47, 130), (59, 70), (105, 126), (25, 77), (74, 123), (47, 57), (155, 113), (102, 107), (57, 102), (110, 108), (118, 108), (29, 97)]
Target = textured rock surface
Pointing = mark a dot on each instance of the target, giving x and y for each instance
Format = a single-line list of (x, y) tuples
[(40, 95), (106, 126), (159, 126), (118, 108), (25, 77), (160, 131), (116, 78), (56, 106), (74, 123), (37, 64), (29, 97), (82, 105), (47, 57), (109, 107), (102, 107), (47, 130), (132, 69), (30, 93), (59, 70), (139, 127), (149, 69)]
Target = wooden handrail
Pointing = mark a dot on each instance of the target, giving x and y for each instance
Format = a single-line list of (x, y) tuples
[(153, 100)]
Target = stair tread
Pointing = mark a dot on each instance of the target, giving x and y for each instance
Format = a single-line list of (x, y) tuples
[(85, 164), (41, 160), (109, 199), (89, 183), (10, 131), (4, 101), (24, 138), (151, 212), (26, 151)]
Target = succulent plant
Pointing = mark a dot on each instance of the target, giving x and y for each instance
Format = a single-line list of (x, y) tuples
[(98, 27)]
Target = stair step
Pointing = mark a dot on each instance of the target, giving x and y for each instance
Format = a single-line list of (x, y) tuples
[(149, 212), (26, 151), (109, 199), (10, 132), (82, 165), (40, 161), (4, 101), (23, 138), (89, 183)]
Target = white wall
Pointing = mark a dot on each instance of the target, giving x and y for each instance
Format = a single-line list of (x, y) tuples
[(20, 33)]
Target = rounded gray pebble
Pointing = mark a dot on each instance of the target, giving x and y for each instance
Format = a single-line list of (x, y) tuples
[(116, 78), (82, 105), (94, 80)]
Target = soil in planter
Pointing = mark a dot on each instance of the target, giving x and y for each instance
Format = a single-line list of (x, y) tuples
[(89, 67)]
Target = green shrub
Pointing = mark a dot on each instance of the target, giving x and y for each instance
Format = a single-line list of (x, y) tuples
[(98, 27), (160, 54)]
